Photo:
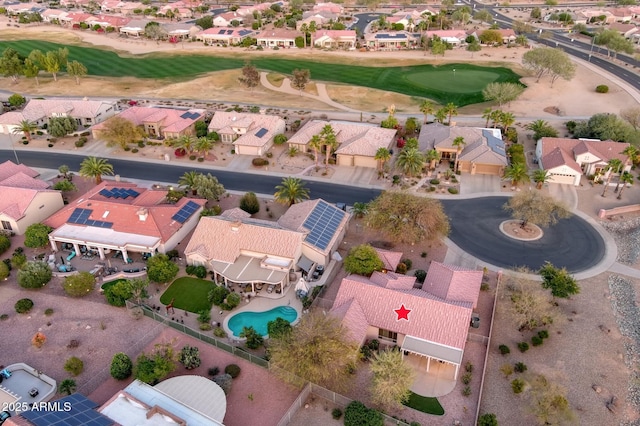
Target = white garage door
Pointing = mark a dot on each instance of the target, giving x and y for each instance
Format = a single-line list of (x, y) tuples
[(558, 178)]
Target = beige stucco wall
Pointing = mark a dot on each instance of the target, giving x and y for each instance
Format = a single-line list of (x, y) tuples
[(182, 233), (43, 205)]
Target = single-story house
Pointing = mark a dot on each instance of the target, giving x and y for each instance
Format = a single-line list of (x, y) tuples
[(622, 14), (227, 36), (626, 30), (38, 111), (25, 200), (225, 19), (242, 250), (508, 35), (123, 217), (250, 134), (320, 19), (165, 123), (483, 151), (341, 39), (278, 37), (566, 160), (105, 21), (586, 16), (453, 37), (431, 322), (328, 7), (358, 142), (389, 40)]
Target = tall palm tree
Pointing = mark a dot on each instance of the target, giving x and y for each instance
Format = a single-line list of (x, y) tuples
[(506, 120), (189, 181), (410, 161), (290, 191), (459, 143), (382, 156), (486, 114), (25, 127), (496, 115), (203, 145), (632, 155), (186, 142), (426, 107), (540, 176), (94, 168), (316, 145), (613, 166), (517, 173), (304, 29), (432, 156), (627, 179), (360, 209), (440, 115), (451, 110), (329, 140)]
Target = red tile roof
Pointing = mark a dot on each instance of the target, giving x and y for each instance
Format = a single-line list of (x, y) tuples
[(557, 152), (170, 120), (391, 259), (453, 283), (9, 168)]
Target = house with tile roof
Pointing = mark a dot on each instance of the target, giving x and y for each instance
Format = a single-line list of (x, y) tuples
[(39, 111), (390, 259), (167, 123), (453, 37), (121, 216), (250, 134), (278, 37), (358, 142), (483, 152), (320, 19), (335, 39), (225, 36), (390, 40), (242, 250), (225, 19), (567, 160), (25, 200), (431, 322)]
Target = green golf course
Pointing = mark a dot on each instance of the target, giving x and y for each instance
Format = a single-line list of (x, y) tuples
[(440, 83)]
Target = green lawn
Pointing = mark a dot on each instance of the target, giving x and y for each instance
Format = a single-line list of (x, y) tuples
[(426, 81), (190, 294), (425, 404)]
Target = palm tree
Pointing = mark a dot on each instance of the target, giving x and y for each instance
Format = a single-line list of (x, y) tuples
[(329, 140), (506, 120), (451, 109), (517, 173), (185, 142), (316, 145), (203, 145), (627, 179), (410, 161), (189, 181), (495, 116), (486, 114), (25, 127), (632, 154), (540, 177), (64, 170), (426, 107), (441, 115), (360, 209), (613, 166), (291, 191), (382, 155), (432, 156), (459, 143), (94, 168), (304, 29)]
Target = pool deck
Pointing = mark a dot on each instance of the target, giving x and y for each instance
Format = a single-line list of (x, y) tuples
[(23, 379)]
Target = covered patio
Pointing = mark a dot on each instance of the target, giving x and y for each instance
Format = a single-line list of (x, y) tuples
[(436, 365), (260, 274)]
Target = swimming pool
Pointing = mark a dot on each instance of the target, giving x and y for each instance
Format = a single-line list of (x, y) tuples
[(259, 320)]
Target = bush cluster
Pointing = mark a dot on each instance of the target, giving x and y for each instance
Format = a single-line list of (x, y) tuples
[(121, 366), (199, 271), (190, 357), (74, 366), (23, 306), (356, 414), (260, 162), (602, 88), (233, 370)]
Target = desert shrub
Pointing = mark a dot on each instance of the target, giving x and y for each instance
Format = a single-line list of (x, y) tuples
[(536, 340), (512, 135), (602, 88), (520, 367), (224, 381), (233, 370), (5, 243), (23, 306), (218, 294), (506, 369), (408, 263), (504, 349), (250, 203), (259, 162), (452, 190), (48, 312), (140, 144), (357, 414), (434, 181), (205, 326), (336, 413), (134, 150), (4, 317), (80, 284), (543, 334), (74, 366), (121, 366), (232, 301), (38, 339), (466, 378), (420, 275), (118, 293), (37, 235), (523, 346), (466, 391), (219, 332), (34, 274), (401, 268), (468, 367), (423, 254), (279, 139), (4, 271), (189, 357), (213, 371), (487, 419), (517, 385), (204, 316), (73, 343), (67, 386)]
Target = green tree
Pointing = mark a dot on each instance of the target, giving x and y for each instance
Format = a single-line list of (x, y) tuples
[(250, 203), (605, 126), (203, 145), (488, 419), (537, 208), (411, 125), (483, 15), (290, 191), (502, 93), (541, 129), (432, 156), (548, 60), (474, 47), (16, 100), (452, 110), (80, 284), (76, 70), (250, 76), (118, 293), (121, 366), (392, 379), (118, 131), (536, 13), (540, 177), (161, 269), (279, 328), (517, 174), (363, 260), (405, 218), (155, 366), (317, 350), (410, 161), (626, 179), (25, 127), (67, 386), (613, 166), (490, 37), (37, 235), (11, 64), (426, 107), (62, 126), (208, 187), (357, 414), (315, 143), (300, 79), (186, 142), (382, 156), (632, 116), (506, 120), (549, 403), (188, 180), (329, 140), (254, 339), (94, 168), (4, 271), (205, 22), (54, 60)]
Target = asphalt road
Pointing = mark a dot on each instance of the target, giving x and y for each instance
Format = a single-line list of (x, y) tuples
[(364, 19), (572, 243)]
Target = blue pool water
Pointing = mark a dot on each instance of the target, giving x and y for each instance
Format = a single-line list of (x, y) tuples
[(259, 320)]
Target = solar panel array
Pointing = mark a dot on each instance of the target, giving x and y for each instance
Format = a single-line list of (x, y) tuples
[(185, 212), (225, 32), (82, 412), (495, 144), (260, 133), (190, 115), (118, 193), (81, 217), (322, 224)]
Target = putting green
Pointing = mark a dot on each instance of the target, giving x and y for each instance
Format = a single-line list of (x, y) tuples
[(462, 80)]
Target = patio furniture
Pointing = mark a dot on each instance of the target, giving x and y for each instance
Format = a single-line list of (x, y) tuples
[(259, 286), (71, 256), (270, 288), (33, 392)]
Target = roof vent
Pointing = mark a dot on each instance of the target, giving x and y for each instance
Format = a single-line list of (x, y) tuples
[(142, 214), (235, 226)]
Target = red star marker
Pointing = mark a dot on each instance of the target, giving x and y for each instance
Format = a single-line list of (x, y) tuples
[(403, 313)]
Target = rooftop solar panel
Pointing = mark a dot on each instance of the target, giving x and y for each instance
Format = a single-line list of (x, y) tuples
[(260, 133), (105, 193), (82, 412), (186, 115), (222, 31), (322, 223), (133, 193), (185, 212)]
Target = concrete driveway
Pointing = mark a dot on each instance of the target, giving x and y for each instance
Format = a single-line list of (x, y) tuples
[(476, 184)]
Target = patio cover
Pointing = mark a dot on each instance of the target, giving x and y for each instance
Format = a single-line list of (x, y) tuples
[(247, 269), (305, 263), (105, 237), (432, 350), (302, 285)]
